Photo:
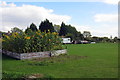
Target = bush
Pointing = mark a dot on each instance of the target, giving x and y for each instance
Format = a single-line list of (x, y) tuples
[(32, 42)]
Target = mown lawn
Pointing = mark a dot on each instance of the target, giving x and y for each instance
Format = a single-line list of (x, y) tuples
[(83, 61)]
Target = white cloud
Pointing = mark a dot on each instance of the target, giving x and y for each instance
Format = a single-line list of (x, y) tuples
[(23, 16), (82, 27), (114, 2), (108, 25), (101, 31), (106, 18), (106, 30), (4, 4)]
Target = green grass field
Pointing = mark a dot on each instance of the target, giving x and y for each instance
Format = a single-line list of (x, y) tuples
[(83, 61)]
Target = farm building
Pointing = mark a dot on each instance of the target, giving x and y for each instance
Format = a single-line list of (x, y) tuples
[(66, 40)]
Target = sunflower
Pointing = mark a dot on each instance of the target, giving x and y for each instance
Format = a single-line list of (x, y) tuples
[(55, 33), (49, 39), (27, 37), (7, 37)]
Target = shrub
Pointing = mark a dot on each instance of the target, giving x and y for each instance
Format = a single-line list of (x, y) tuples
[(32, 42)]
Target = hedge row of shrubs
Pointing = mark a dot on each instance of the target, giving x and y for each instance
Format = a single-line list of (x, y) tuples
[(32, 42)]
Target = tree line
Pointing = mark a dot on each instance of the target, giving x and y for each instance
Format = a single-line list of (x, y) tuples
[(64, 31)]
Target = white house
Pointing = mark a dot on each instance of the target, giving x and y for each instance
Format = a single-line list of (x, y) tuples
[(66, 40)]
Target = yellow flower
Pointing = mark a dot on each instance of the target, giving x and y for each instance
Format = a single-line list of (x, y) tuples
[(48, 30), (16, 33), (27, 37), (37, 33), (49, 39), (55, 33), (7, 37), (45, 34)]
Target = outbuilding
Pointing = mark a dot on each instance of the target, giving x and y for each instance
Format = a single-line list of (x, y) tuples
[(66, 40)]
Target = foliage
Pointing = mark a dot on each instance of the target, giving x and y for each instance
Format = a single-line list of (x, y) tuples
[(115, 39), (45, 26), (15, 29), (101, 39), (68, 31), (86, 34), (1, 34), (28, 30), (57, 28), (63, 30), (32, 42), (69, 35), (79, 36), (33, 27)]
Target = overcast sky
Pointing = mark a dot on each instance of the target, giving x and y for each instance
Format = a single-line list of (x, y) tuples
[(100, 18)]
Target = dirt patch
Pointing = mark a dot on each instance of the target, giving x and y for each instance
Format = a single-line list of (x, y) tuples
[(51, 60), (60, 58)]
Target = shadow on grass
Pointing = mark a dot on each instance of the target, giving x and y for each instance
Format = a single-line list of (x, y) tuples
[(5, 57)]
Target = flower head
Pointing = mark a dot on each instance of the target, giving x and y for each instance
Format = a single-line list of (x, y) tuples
[(48, 30), (49, 39), (55, 33), (45, 34), (7, 37), (27, 37), (16, 33)]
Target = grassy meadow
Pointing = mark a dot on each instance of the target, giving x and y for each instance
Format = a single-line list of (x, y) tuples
[(98, 60)]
